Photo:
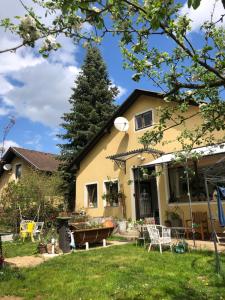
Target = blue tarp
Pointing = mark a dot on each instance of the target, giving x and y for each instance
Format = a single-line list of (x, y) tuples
[(220, 194)]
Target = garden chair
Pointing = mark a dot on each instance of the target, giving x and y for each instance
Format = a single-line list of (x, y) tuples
[(200, 219), (143, 234), (27, 229), (38, 229), (155, 238), (220, 238)]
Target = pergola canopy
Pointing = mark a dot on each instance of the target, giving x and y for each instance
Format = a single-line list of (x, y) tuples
[(204, 151), (121, 158)]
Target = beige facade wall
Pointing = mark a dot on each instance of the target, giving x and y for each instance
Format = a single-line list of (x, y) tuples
[(95, 168), (8, 176)]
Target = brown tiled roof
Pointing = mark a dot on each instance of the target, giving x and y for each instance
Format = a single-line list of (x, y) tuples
[(39, 160)]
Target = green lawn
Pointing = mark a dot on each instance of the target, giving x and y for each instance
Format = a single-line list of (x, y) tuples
[(19, 248), (120, 272)]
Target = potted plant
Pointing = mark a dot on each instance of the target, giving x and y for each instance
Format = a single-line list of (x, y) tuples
[(173, 219), (106, 197), (42, 246)]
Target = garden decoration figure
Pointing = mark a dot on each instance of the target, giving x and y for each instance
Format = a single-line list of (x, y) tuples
[(53, 242), (72, 241)]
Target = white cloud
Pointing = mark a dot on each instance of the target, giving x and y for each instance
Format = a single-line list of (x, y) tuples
[(4, 111), (45, 93), (5, 86), (45, 85), (35, 142), (203, 13), (122, 91)]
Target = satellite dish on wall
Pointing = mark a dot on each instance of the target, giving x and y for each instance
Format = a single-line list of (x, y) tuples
[(121, 124), (7, 167)]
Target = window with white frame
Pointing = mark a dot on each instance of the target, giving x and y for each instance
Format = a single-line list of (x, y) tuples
[(111, 192), (143, 120), (92, 194)]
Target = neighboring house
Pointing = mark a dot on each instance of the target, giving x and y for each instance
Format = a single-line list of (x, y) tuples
[(22, 160), (110, 163)]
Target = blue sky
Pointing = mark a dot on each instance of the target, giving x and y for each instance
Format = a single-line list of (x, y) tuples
[(36, 91)]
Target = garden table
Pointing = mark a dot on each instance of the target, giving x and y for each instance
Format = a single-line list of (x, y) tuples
[(180, 231)]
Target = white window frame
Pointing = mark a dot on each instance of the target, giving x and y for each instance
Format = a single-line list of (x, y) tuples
[(86, 204), (140, 113), (104, 189)]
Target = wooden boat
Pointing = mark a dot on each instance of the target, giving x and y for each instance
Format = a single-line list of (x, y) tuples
[(90, 235)]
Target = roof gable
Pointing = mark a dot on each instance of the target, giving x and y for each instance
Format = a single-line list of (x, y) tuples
[(41, 161)]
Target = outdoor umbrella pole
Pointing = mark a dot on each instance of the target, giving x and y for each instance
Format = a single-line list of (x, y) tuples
[(190, 207), (213, 227)]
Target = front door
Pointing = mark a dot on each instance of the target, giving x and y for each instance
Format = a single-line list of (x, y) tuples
[(146, 199)]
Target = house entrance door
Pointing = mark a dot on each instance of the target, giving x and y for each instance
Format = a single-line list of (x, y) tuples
[(146, 198)]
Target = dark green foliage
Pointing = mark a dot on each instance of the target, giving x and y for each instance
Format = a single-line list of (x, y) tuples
[(92, 104)]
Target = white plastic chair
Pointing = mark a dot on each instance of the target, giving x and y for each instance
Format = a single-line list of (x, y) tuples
[(38, 229), (157, 240)]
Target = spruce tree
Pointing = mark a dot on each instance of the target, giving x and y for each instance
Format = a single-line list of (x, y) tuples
[(92, 104)]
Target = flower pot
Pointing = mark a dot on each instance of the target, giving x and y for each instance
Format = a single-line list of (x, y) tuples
[(122, 226), (108, 223), (42, 248)]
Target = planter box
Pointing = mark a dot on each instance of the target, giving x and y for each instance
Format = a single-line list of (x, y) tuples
[(90, 235)]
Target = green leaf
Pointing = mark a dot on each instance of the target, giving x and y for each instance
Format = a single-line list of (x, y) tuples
[(189, 3), (196, 3)]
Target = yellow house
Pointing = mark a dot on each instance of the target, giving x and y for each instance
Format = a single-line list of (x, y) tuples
[(110, 182), (17, 161)]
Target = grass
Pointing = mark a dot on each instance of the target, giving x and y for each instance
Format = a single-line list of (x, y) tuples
[(19, 248), (120, 272)]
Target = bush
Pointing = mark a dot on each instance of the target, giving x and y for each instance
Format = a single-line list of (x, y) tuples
[(34, 196)]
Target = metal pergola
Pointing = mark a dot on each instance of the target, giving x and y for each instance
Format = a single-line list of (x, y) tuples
[(214, 175)]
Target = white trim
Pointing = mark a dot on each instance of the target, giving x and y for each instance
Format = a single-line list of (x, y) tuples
[(86, 195), (139, 113), (132, 197), (104, 189)]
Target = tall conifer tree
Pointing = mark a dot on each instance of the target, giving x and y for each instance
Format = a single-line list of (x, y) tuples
[(92, 104)]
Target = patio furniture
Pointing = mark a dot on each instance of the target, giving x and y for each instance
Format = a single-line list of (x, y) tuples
[(220, 238), (165, 239), (27, 229), (200, 219), (143, 234), (38, 229)]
